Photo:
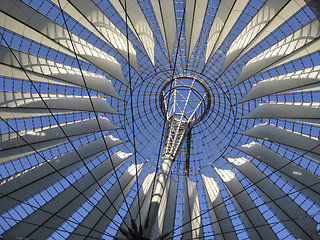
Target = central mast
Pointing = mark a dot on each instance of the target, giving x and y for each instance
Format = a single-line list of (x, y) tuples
[(184, 102)]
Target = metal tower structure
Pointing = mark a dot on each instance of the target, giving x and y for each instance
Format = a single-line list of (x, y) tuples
[(184, 102), (159, 119)]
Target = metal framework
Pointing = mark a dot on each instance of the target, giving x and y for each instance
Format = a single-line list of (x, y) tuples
[(159, 119), (183, 106)]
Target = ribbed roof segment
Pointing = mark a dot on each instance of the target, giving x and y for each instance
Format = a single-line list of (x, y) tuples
[(83, 128)]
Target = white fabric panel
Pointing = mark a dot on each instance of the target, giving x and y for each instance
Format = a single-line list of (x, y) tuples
[(217, 25), (54, 102), (29, 182), (298, 176), (290, 82), (34, 135), (13, 146), (18, 27), (194, 16), (127, 179), (49, 28), (287, 137), (283, 15), (137, 22), (144, 200), (158, 225), (168, 224), (56, 70), (254, 222), (299, 223), (220, 219), (269, 9), (291, 44), (13, 72), (191, 210), (303, 51), (98, 222), (166, 215), (144, 210), (308, 88), (7, 113), (90, 16), (64, 203), (303, 112), (15, 153), (165, 14), (226, 16)]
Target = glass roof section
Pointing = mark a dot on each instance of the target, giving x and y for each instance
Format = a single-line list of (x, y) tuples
[(83, 130)]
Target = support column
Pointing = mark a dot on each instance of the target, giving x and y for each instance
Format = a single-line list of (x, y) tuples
[(176, 132)]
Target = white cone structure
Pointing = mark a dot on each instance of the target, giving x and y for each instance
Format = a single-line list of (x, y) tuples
[(159, 119)]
